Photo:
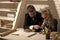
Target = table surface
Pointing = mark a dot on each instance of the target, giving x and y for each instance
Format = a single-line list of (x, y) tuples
[(21, 36)]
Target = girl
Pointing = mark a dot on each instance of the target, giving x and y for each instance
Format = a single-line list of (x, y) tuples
[(48, 19)]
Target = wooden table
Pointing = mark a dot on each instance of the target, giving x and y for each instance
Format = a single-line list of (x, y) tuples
[(5, 31)]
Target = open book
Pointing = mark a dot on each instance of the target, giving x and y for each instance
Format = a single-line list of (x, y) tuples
[(22, 33)]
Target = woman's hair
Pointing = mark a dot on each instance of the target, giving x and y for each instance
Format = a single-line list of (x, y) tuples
[(30, 8), (47, 12)]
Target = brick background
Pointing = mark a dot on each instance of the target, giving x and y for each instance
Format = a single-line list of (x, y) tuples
[(57, 3)]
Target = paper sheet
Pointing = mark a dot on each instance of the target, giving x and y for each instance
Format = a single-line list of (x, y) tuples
[(22, 33)]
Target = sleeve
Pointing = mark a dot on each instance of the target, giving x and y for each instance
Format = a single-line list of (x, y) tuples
[(31, 27), (26, 26), (40, 19)]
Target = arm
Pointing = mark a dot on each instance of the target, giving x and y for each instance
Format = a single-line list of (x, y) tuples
[(26, 26)]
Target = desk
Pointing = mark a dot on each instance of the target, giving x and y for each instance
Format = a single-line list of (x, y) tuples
[(5, 31), (37, 36)]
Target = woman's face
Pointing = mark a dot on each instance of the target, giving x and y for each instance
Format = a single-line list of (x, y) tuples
[(44, 16)]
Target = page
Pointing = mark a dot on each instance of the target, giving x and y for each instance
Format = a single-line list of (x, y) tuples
[(22, 33)]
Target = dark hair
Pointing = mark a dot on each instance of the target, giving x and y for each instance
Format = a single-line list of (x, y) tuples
[(30, 8)]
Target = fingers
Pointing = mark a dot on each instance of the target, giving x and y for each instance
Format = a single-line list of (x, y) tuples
[(36, 26)]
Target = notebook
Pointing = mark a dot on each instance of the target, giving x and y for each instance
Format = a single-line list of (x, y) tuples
[(22, 33)]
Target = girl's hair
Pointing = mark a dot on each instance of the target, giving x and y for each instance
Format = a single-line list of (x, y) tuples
[(47, 13)]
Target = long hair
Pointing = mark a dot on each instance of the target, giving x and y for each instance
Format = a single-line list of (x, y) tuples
[(49, 16), (50, 19)]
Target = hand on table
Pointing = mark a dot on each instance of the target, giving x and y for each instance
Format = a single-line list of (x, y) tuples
[(36, 26)]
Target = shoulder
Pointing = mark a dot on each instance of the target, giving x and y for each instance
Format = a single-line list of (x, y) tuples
[(26, 13), (38, 13)]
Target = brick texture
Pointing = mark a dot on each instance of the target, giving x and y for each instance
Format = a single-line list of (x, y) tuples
[(57, 3)]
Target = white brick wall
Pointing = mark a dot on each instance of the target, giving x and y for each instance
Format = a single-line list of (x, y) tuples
[(57, 3)]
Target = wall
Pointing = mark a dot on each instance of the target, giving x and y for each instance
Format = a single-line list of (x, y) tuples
[(57, 3), (16, 0)]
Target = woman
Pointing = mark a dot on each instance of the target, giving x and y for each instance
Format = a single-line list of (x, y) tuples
[(48, 19)]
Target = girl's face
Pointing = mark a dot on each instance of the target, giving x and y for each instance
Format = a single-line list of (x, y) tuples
[(44, 13), (44, 16)]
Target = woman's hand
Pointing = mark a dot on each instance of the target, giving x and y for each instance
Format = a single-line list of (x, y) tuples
[(36, 26)]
